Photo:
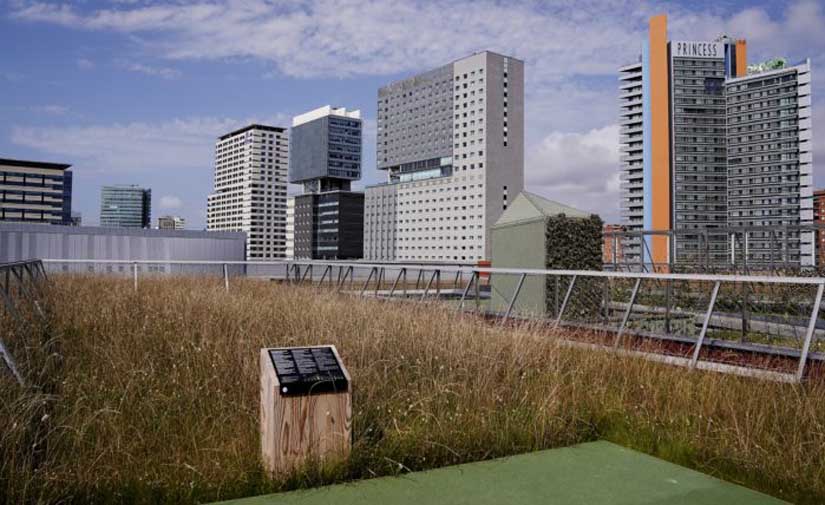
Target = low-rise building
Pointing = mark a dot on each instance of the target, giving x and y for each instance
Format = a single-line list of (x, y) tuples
[(101, 244), (525, 237), (171, 223)]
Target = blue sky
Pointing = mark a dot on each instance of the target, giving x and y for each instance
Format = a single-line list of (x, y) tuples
[(133, 91)]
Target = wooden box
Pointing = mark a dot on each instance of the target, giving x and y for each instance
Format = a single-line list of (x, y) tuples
[(306, 407)]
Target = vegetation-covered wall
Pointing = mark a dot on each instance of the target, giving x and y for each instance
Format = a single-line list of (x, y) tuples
[(573, 244)]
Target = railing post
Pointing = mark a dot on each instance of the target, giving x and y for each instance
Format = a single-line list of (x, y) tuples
[(606, 300), (806, 346), (135, 271), (705, 323), (380, 278), (226, 277), (627, 312), (427, 287), (566, 299), (513, 299), (556, 296), (10, 363), (395, 283), (328, 269), (467, 290), (478, 291), (367, 282)]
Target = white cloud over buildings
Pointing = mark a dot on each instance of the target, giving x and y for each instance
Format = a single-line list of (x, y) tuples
[(572, 50)]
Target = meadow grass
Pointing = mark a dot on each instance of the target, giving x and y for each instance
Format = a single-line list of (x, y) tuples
[(153, 396)]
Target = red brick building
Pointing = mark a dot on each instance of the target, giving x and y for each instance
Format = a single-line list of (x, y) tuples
[(819, 219), (608, 233)]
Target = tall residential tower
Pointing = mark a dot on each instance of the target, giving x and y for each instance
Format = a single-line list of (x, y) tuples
[(705, 139), (250, 189), (451, 141), (770, 162)]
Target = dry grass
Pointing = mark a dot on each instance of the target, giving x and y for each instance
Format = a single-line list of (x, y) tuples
[(156, 397)]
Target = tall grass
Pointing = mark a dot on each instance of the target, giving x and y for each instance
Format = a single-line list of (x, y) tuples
[(155, 398)]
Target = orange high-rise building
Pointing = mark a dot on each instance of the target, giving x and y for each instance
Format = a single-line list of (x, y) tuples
[(673, 141)]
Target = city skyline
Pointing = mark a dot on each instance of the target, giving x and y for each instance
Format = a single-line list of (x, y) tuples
[(121, 108)]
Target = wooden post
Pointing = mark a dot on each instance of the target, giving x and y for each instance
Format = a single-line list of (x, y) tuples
[(306, 407)]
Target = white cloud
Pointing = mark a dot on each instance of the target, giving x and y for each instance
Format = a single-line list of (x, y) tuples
[(373, 37), (162, 72), (571, 49), (170, 202), (578, 169), (11, 76), (136, 147), (54, 110), (85, 63)]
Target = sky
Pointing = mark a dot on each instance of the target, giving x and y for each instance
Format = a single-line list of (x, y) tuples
[(137, 91)]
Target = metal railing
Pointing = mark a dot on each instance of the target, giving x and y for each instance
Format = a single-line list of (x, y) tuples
[(732, 323), (765, 249), (20, 284)]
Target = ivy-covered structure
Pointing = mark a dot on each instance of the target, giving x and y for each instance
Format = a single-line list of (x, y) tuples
[(537, 233)]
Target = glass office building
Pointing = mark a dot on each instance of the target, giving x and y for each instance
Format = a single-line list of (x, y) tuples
[(125, 206)]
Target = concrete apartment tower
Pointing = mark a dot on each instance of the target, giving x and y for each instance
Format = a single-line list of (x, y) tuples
[(451, 141), (290, 227), (682, 114), (325, 157), (770, 163), (125, 206), (35, 192), (250, 189)]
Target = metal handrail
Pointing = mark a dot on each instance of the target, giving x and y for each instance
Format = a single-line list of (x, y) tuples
[(12, 273), (301, 270)]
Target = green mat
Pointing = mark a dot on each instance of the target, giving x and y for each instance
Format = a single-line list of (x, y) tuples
[(597, 473)]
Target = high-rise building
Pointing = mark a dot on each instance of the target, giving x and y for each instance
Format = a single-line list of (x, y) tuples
[(325, 157), (35, 192), (290, 227), (451, 141), (690, 132), (125, 206), (770, 162), (250, 188), (171, 223)]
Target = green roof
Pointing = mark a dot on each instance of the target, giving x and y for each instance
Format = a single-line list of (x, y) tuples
[(596, 473), (530, 207)]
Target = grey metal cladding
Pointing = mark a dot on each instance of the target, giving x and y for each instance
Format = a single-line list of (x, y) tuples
[(27, 241), (329, 146), (309, 150)]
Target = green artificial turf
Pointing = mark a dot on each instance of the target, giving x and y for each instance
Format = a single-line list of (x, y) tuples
[(596, 473)]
